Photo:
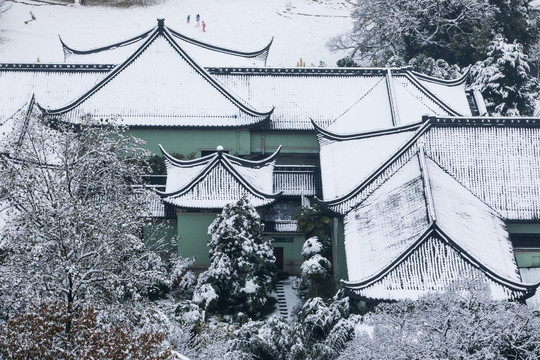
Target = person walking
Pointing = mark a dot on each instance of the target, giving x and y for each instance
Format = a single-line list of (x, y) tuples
[(197, 19), (188, 18), (203, 26)]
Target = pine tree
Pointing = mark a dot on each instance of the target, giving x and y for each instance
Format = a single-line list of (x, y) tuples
[(504, 80), (242, 263)]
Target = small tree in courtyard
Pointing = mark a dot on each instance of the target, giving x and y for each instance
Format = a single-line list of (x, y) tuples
[(242, 263)]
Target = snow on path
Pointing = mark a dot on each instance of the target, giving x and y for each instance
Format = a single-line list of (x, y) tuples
[(300, 28), (287, 296)]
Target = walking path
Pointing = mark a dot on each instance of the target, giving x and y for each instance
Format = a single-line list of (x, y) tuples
[(287, 297)]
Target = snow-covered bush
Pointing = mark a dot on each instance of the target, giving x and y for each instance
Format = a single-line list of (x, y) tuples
[(51, 331), (181, 274), (272, 339), (454, 325), (242, 263), (75, 225), (312, 246), (315, 267), (504, 80)]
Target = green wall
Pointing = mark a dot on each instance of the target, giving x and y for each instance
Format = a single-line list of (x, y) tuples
[(238, 142), (291, 143), (292, 251), (193, 236), (185, 141)]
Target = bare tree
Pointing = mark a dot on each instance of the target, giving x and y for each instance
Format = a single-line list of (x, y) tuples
[(74, 232), (384, 28)]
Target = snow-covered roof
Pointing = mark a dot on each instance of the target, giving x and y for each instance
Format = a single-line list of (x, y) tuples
[(345, 100), (54, 85), (204, 53), (161, 85), (444, 234), (215, 180), (497, 159), (347, 160)]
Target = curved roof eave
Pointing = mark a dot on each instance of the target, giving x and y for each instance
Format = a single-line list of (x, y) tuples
[(69, 50), (422, 128), (263, 53), (372, 133), (219, 158), (453, 82), (528, 290), (412, 77), (161, 30)]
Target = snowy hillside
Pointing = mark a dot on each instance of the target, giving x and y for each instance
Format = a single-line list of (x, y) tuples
[(300, 28)]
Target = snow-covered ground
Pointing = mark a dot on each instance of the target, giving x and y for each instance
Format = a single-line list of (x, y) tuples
[(300, 28)]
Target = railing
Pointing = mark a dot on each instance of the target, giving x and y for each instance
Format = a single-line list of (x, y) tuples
[(280, 226)]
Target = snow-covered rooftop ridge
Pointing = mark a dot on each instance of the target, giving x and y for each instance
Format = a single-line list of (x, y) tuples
[(438, 147), (156, 71), (419, 194), (218, 179), (70, 52)]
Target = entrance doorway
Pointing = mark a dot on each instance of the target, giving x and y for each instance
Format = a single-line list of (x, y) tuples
[(278, 253)]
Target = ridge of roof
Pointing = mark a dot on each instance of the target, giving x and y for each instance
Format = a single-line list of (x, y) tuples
[(55, 67), (427, 123), (262, 53), (316, 71), (69, 50), (428, 195), (429, 93), (215, 159), (452, 82), (362, 135), (528, 290), (162, 31), (518, 121), (231, 158)]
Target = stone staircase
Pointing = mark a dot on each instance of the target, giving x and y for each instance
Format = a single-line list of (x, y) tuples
[(282, 301)]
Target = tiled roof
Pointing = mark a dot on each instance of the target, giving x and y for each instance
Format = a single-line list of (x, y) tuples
[(54, 85), (204, 53), (344, 100), (161, 85), (444, 233), (495, 158), (218, 179)]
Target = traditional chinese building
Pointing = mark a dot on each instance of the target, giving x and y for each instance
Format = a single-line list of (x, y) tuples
[(424, 188)]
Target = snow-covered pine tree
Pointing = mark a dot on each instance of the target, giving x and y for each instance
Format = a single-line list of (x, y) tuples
[(504, 79), (242, 263)]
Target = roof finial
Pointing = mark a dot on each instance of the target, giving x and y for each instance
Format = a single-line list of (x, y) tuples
[(219, 148), (160, 23)]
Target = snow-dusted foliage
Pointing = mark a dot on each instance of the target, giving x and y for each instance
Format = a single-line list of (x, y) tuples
[(51, 331), (316, 267), (74, 232), (274, 338), (242, 263), (455, 31), (452, 325), (504, 79), (438, 68), (311, 247), (321, 332), (442, 29), (181, 275)]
